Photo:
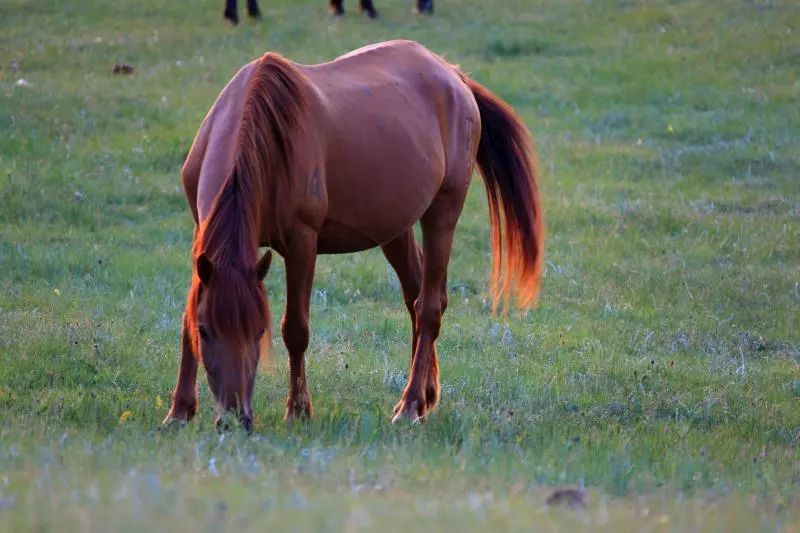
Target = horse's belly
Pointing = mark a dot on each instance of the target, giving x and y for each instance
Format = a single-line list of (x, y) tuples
[(372, 211), (337, 238)]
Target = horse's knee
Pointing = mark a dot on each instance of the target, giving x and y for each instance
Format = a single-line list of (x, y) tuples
[(295, 333), (419, 305), (429, 316)]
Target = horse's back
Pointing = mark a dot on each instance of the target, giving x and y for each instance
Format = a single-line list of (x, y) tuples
[(388, 67), (398, 119)]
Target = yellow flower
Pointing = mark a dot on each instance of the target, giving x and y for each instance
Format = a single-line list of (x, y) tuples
[(159, 403), (125, 416), (669, 128), (58, 292)]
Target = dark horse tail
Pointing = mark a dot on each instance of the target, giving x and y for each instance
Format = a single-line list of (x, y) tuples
[(507, 163)]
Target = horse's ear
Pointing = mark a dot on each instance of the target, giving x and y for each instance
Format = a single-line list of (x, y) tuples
[(262, 267), (205, 268)]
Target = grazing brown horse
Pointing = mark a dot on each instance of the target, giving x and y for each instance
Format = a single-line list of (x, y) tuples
[(337, 158)]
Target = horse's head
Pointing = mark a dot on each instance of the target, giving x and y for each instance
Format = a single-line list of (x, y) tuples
[(232, 321)]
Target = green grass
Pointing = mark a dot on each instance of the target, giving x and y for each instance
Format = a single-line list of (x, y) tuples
[(662, 366)]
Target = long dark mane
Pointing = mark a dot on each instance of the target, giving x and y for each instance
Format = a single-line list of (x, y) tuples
[(236, 305)]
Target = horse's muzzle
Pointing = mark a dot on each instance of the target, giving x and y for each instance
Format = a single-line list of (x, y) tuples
[(223, 424)]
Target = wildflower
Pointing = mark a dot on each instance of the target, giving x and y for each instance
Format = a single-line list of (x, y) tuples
[(58, 292), (159, 402), (125, 416), (669, 128)]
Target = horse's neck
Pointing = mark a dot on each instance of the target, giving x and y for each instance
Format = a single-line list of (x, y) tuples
[(230, 235), (260, 112)]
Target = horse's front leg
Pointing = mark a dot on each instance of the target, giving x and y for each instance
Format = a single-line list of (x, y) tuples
[(300, 259), (184, 397)]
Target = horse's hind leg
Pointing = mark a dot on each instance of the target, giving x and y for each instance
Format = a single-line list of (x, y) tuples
[(404, 255), (438, 229), (300, 260)]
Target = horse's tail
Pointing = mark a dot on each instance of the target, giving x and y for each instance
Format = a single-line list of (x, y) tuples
[(507, 163)]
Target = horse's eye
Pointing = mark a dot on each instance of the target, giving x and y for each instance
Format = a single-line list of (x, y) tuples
[(262, 332), (203, 333)]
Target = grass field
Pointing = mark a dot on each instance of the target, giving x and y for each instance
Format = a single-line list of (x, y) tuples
[(661, 368)]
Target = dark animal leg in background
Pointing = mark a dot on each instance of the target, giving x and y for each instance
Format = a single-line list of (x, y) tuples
[(230, 12), (404, 255), (369, 9), (336, 7), (252, 9), (424, 6), (300, 261)]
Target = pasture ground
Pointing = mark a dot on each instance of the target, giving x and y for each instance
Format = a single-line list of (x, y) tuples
[(662, 366)]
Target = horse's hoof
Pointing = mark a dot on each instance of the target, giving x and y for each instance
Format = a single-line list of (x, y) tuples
[(299, 414), (407, 412), (171, 422), (401, 416), (337, 11), (371, 13), (291, 419)]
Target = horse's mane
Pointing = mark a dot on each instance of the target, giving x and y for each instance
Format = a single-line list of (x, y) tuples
[(236, 305)]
